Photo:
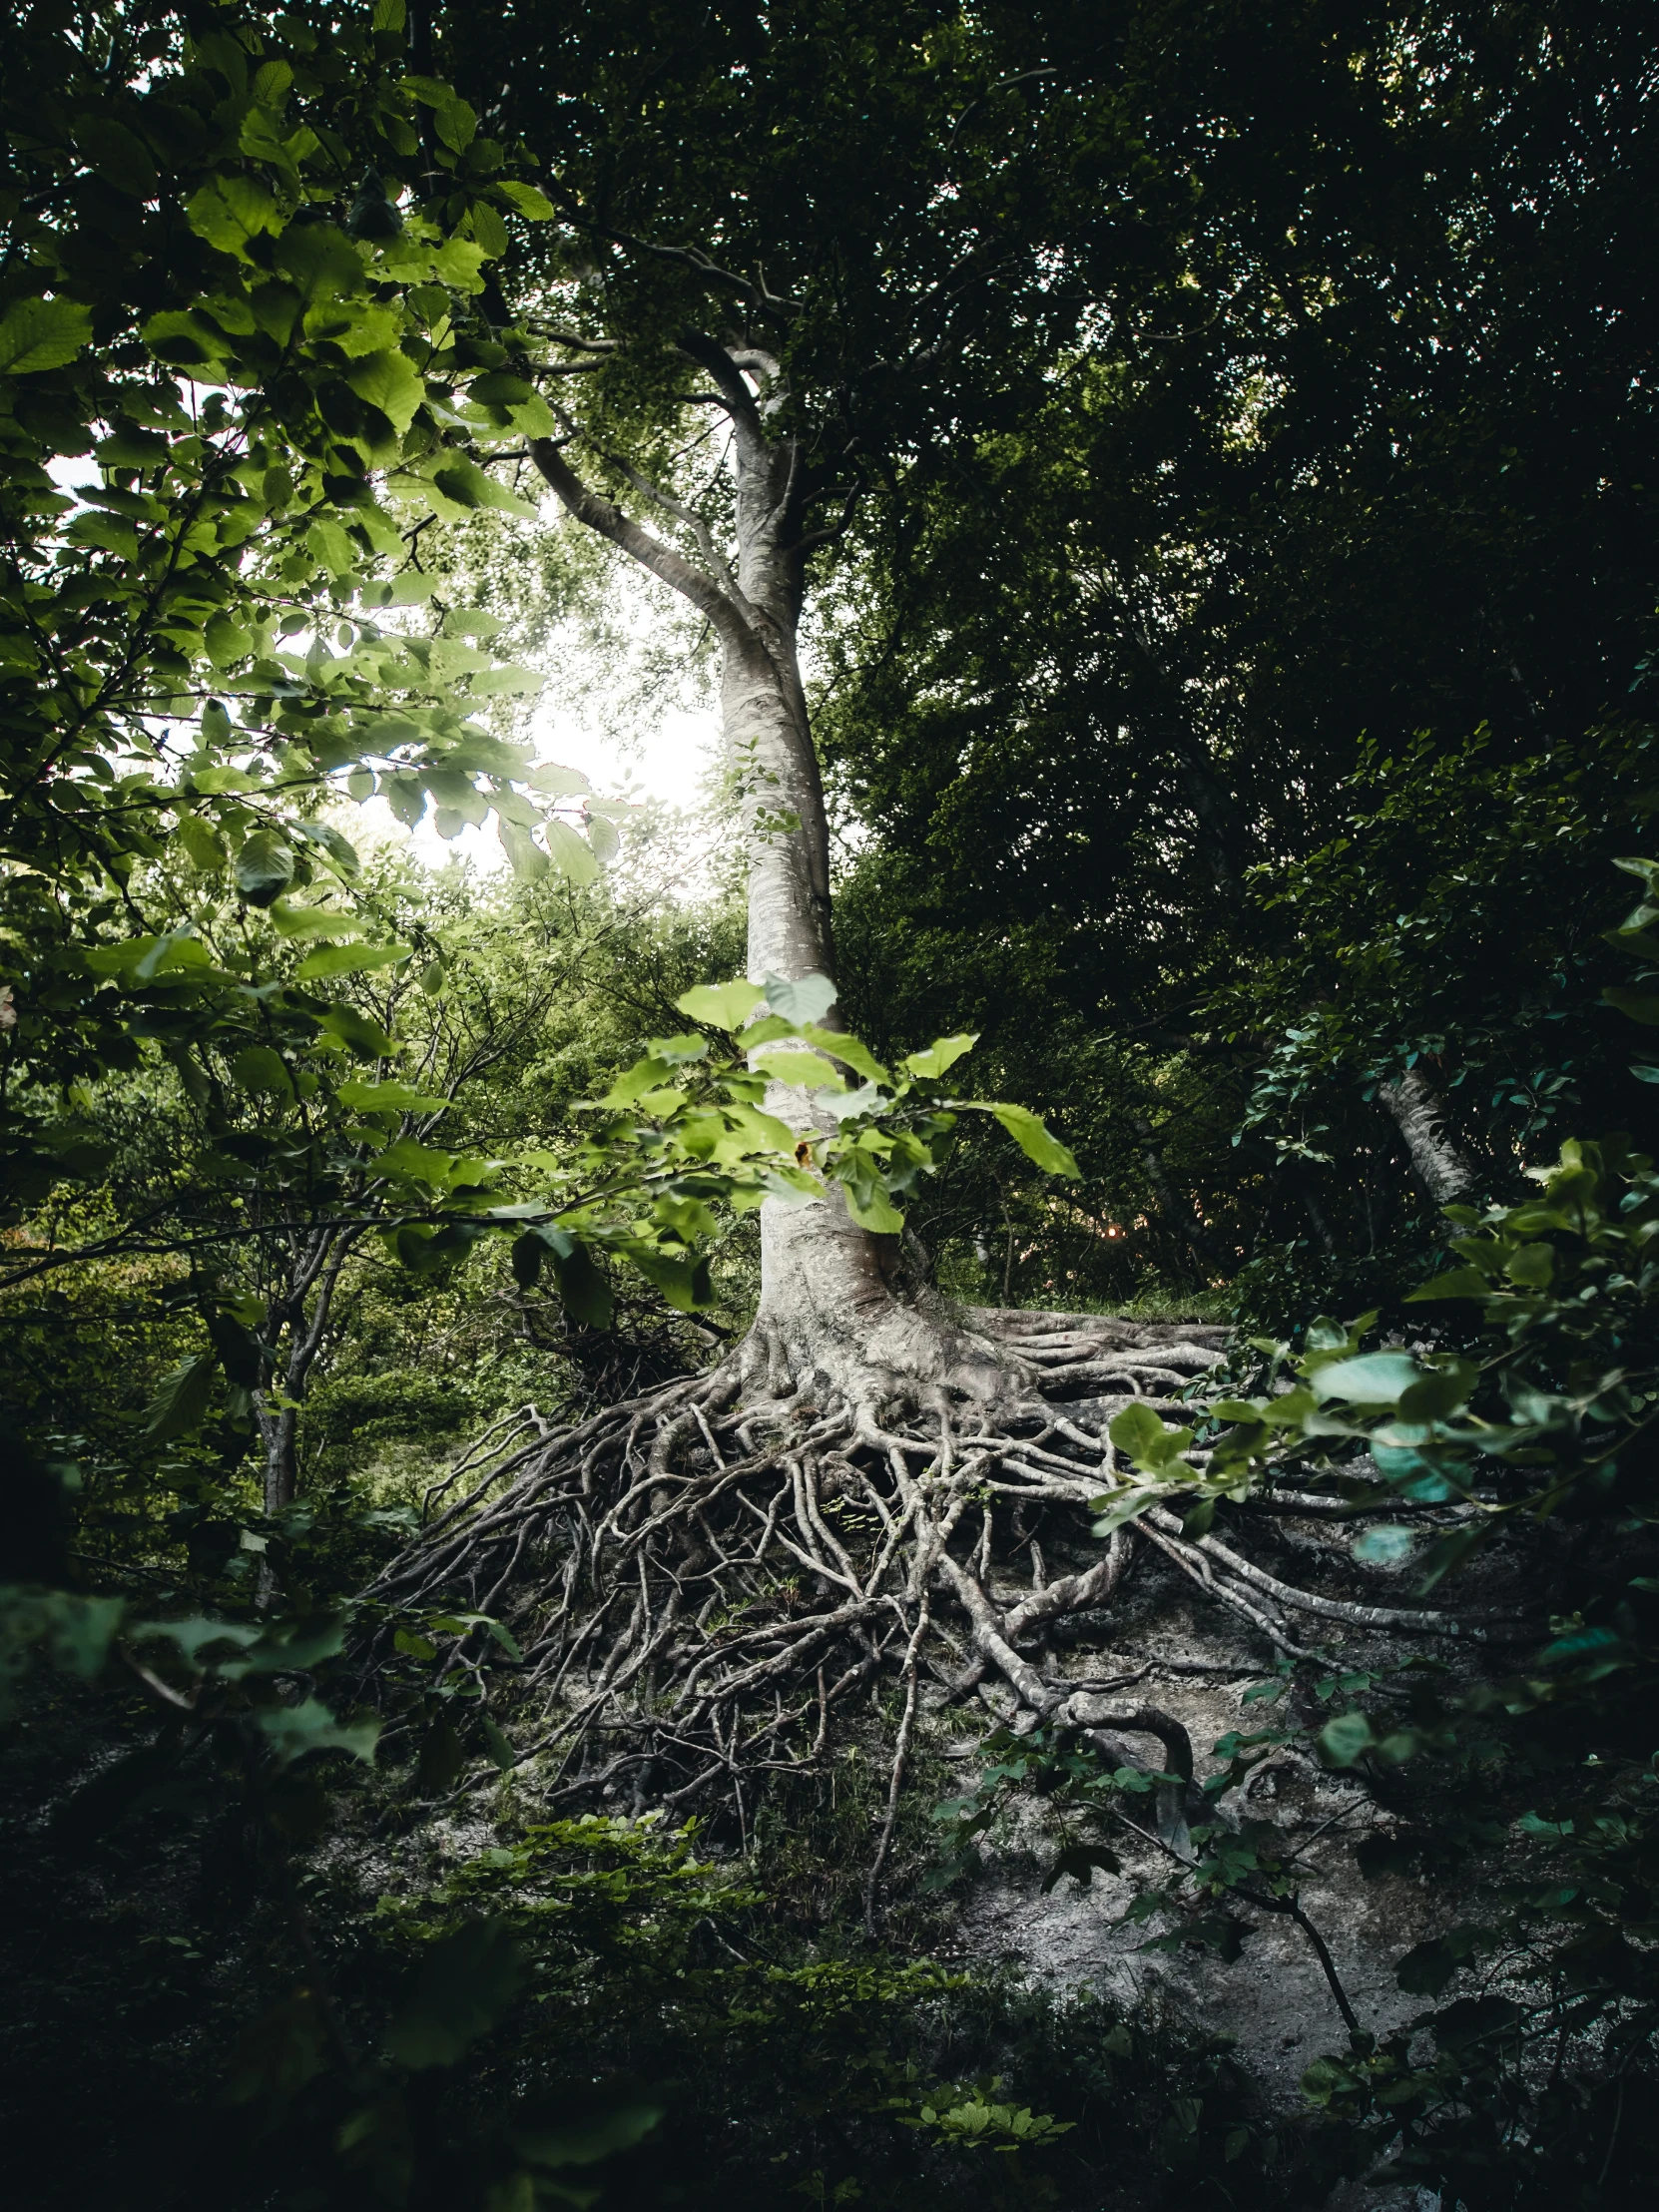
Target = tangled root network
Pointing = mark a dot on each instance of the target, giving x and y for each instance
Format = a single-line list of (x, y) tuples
[(701, 1581)]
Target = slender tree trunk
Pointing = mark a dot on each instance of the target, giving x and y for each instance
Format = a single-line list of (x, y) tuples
[(317, 1272), (1444, 1171), (828, 1288)]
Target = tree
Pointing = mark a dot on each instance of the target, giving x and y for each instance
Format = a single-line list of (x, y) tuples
[(868, 1461), (825, 298), (1281, 524)]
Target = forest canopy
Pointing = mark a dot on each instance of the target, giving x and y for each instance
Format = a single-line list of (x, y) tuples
[(863, 1491)]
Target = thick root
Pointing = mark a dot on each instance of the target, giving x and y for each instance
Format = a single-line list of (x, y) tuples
[(703, 1579)]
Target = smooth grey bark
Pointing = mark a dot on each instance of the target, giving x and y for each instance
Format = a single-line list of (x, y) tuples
[(828, 1302), (1444, 1171)]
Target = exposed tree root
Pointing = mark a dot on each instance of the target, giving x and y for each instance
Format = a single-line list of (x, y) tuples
[(703, 1581)]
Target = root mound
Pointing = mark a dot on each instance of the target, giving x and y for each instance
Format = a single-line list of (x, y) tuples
[(704, 1578)]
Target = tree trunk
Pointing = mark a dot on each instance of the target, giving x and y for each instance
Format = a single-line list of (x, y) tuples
[(1446, 1173), (829, 1301)]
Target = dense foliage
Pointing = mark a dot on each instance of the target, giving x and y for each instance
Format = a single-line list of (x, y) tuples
[(1227, 493)]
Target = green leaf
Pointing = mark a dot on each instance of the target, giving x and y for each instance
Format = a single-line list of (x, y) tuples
[(1456, 1283), (720, 1005), (534, 205), (468, 485), (940, 1056), (349, 960), (1345, 1738), (37, 334), (873, 1209), (684, 1283), (239, 1348), (1080, 1861), (182, 1399), (360, 1035), (560, 783), (1440, 1391), (583, 1290), (201, 845), (409, 1160), (1034, 1140), (529, 863), (186, 341), (1425, 1969), (260, 1071), (1385, 1547), (1374, 1379), (264, 868), (455, 124), (586, 2142), (572, 856), (296, 1730), (274, 2058), (498, 1744), (1642, 1006), (1448, 1554), (1531, 1264), (231, 209), (528, 1252), (848, 1051), (807, 999), (387, 1098), (1138, 1431), (315, 921), (389, 380), (465, 1985)]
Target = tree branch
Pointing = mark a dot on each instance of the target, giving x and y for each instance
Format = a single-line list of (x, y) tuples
[(602, 515)]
